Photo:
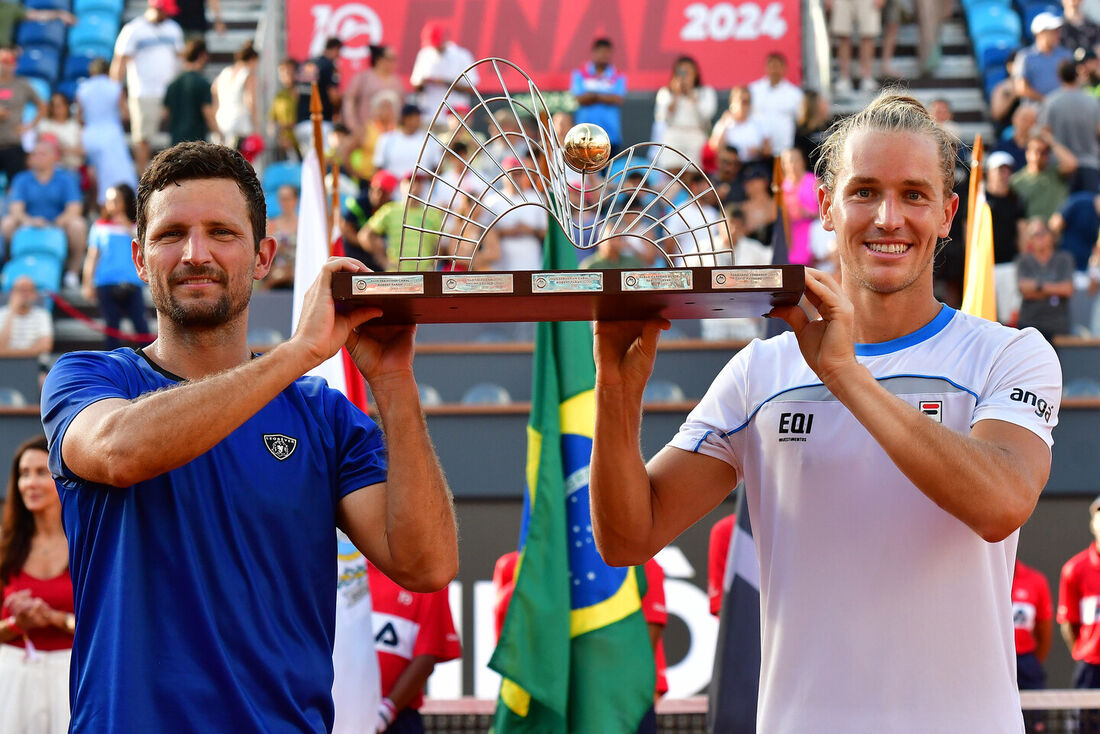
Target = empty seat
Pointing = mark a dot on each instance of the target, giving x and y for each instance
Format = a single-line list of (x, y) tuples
[(282, 173), (48, 33), (994, 18), (94, 29), (44, 271), (45, 241), (662, 391), (110, 7), (429, 396), (12, 398), (486, 393), (76, 66), (43, 62), (1081, 387), (48, 4)]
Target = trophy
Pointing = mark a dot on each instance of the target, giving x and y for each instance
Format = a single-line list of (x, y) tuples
[(650, 202)]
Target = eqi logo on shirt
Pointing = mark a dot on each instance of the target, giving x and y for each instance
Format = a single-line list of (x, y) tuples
[(799, 424), (1043, 409), (280, 446)]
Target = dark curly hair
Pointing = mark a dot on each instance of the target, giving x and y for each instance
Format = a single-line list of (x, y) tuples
[(17, 526)]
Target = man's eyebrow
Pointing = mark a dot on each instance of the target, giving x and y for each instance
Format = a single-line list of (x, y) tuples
[(918, 183)]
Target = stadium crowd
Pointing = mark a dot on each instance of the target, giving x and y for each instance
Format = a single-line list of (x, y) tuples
[(71, 174)]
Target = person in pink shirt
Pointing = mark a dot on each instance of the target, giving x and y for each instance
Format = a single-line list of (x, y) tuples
[(800, 202)]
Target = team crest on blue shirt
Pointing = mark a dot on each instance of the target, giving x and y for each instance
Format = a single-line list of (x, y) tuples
[(280, 446)]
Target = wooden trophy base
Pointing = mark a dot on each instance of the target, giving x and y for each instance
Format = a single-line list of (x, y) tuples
[(571, 295)]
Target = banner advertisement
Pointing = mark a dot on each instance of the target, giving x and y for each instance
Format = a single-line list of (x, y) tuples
[(549, 38)]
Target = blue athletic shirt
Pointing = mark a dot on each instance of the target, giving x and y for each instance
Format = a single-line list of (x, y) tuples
[(206, 597)]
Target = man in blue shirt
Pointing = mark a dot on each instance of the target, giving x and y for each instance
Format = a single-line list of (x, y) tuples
[(201, 485), (1036, 67), (600, 88), (45, 195)]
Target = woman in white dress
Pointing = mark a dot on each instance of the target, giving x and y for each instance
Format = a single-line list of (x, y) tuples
[(234, 93), (685, 108), (100, 104)]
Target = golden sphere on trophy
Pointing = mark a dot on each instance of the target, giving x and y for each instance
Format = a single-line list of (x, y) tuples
[(587, 148)]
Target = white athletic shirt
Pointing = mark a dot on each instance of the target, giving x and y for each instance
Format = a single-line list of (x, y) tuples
[(880, 612)]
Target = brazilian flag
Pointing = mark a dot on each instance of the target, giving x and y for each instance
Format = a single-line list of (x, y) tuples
[(574, 651)]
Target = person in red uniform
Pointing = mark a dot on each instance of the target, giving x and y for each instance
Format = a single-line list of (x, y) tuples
[(717, 555), (1078, 602), (1033, 618), (653, 609), (36, 618), (412, 633)]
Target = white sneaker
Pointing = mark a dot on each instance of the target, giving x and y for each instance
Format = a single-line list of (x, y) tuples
[(71, 281), (843, 87), (868, 85)]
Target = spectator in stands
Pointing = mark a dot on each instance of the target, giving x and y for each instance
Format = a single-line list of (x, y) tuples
[(110, 278), (746, 251), (15, 94), (1077, 30), (1078, 225), (1025, 126), (327, 75), (810, 127), (717, 556), (1033, 620), (364, 245), (1080, 622), (739, 128), (1036, 67), (358, 106), (930, 17), (48, 196), (521, 230), (188, 99), (148, 52), (1088, 70), (234, 93), (384, 111), (600, 89), (439, 63), (778, 101), (688, 224), (25, 327), (12, 13), (685, 108), (800, 202), (941, 112), (1008, 214), (385, 229), (1004, 101), (1045, 277), (1043, 185), (728, 178), (284, 228), (284, 111), (413, 633), (37, 622), (192, 18), (759, 205), (100, 101), (848, 18), (59, 123), (1073, 117), (892, 12), (615, 252), (398, 150)]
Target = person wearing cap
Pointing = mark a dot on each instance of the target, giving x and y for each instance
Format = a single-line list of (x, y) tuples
[(1077, 30), (1073, 117), (148, 51), (398, 150), (385, 236), (438, 64), (1007, 211), (356, 211), (1036, 67), (1088, 69), (1079, 606)]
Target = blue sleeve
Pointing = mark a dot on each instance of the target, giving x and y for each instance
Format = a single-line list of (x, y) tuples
[(360, 445), (620, 85), (96, 235), (17, 191), (71, 188), (77, 380), (576, 83)]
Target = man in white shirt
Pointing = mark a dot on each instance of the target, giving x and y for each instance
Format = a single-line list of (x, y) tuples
[(890, 451), (25, 327), (148, 50), (398, 150), (778, 101), (438, 63)]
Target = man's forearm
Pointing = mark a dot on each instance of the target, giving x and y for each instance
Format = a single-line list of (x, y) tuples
[(165, 429), (420, 523), (981, 484)]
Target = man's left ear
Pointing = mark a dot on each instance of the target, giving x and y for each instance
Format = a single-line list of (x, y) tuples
[(950, 209), (264, 257)]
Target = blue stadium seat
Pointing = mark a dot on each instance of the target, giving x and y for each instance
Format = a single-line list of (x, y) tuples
[(44, 271), (662, 391), (76, 66), (993, 18), (42, 89), (10, 397), (45, 241), (282, 173), (97, 29), (112, 7), (49, 33), (994, 56), (994, 39), (43, 62), (93, 50), (68, 88), (993, 77), (48, 4), (429, 396), (486, 393)]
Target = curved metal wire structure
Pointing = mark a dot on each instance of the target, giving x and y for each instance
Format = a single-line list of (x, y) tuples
[(651, 194)]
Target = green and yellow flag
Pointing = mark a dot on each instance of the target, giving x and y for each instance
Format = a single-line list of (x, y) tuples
[(574, 651)]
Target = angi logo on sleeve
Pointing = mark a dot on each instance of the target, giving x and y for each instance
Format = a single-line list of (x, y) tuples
[(280, 446), (795, 426), (1043, 409)]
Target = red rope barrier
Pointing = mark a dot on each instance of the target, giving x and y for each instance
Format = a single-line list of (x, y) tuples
[(82, 317)]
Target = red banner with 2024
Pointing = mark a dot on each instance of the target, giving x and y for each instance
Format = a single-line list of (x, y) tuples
[(549, 38)]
